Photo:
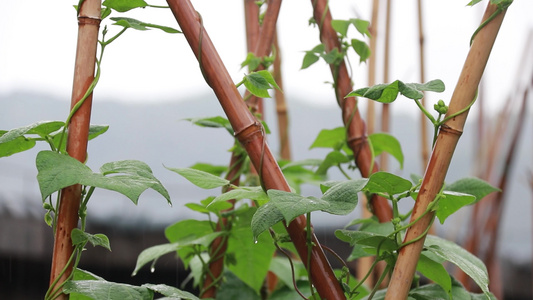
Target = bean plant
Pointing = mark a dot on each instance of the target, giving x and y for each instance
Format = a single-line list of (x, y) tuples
[(255, 242)]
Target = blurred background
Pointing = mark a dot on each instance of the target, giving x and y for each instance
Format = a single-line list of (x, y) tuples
[(151, 81)]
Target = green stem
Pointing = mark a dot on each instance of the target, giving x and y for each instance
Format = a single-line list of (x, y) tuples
[(381, 278), (309, 249)]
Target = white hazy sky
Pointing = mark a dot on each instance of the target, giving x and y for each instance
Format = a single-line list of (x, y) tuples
[(38, 41)]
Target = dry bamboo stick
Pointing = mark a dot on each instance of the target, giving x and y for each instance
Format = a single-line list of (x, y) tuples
[(424, 143), (281, 106), (251, 135), (78, 132), (385, 113), (365, 263), (355, 126), (442, 153), (373, 29)]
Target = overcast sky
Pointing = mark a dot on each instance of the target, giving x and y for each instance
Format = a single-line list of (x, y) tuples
[(38, 41)]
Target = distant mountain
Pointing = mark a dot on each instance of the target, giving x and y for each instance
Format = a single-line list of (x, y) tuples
[(155, 132)]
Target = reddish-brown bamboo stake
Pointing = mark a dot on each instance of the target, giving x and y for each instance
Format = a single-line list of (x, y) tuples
[(493, 224), (78, 132), (442, 153), (281, 106), (218, 248), (251, 135), (355, 126), (424, 143)]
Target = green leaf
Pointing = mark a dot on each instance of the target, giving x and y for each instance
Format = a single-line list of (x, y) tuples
[(333, 57), (233, 288), (253, 255), (451, 203), (384, 142), (94, 131), (341, 26), (104, 290), (435, 272), (254, 193), (214, 122), (258, 83), (16, 145), (368, 239), (362, 49), (342, 197), (334, 158), (41, 128), (463, 259), (187, 229), (81, 238), (473, 2), (138, 25), (209, 168), (251, 61), (330, 138), (170, 291), (154, 252), (281, 267), (292, 205), (361, 26), (473, 186), (124, 5), (383, 182), (265, 217), (312, 56), (80, 274), (309, 59), (200, 178), (57, 171), (387, 93)]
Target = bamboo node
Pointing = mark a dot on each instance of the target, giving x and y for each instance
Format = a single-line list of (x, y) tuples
[(247, 134), (89, 20), (447, 129)]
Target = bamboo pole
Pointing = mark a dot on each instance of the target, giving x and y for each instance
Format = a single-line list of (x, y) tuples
[(424, 143), (78, 132), (355, 126), (365, 263), (373, 29), (442, 153), (251, 135), (281, 106), (385, 113)]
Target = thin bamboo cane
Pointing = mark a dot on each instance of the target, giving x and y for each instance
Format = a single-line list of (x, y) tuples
[(442, 153), (281, 106), (78, 132), (373, 29), (355, 126), (385, 113), (218, 247), (364, 264), (493, 223), (424, 143), (251, 135)]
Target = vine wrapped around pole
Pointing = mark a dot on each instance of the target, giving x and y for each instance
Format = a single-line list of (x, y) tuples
[(78, 132), (250, 134), (442, 153), (355, 126)]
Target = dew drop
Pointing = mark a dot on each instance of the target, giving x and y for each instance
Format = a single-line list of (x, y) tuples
[(255, 240), (152, 269), (170, 204)]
